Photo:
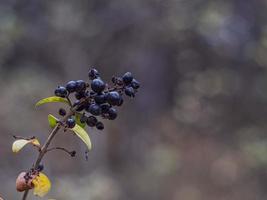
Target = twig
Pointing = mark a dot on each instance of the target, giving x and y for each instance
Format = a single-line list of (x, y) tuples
[(71, 153)]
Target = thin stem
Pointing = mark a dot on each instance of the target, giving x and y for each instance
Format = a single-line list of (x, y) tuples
[(44, 148), (71, 153)]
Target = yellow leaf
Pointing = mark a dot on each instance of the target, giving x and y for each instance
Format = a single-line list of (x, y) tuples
[(81, 133), (19, 144), (42, 185)]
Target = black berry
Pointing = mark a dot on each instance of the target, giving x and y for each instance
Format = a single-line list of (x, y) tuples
[(80, 86), (71, 86), (40, 168), (113, 98), (70, 122), (99, 125), (94, 109), (120, 102), (104, 107), (127, 78), (83, 119), (91, 121), (135, 84), (112, 114), (62, 112), (79, 95), (129, 91), (101, 98), (93, 74), (98, 85), (61, 92)]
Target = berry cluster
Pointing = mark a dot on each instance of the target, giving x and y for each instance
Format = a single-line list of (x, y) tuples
[(96, 98)]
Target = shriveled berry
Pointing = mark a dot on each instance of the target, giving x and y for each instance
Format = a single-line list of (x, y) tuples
[(71, 86), (119, 81), (101, 98), (61, 91), (105, 107), (70, 122), (99, 125), (98, 85), (80, 86), (135, 84), (94, 109), (129, 91), (114, 79), (62, 112), (127, 78), (91, 121), (80, 107), (73, 153), (112, 113), (113, 98), (76, 102), (93, 73)]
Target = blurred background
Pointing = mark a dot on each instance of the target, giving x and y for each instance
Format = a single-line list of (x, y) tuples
[(195, 131)]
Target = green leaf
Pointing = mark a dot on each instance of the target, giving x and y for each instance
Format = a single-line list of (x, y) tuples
[(52, 121), (78, 120), (81, 133), (53, 99)]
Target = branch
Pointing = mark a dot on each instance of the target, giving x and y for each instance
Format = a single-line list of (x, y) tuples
[(44, 148)]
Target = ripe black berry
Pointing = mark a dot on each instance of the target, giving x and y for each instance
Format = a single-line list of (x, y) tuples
[(135, 84), (83, 119), (93, 73), (120, 102), (98, 85), (62, 112), (99, 125), (71, 86), (70, 122), (80, 86), (127, 78), (94, 109), (40, 168), (61, 91), (79, 95), (112, 114), (91, 121), (105, 107), (129, 91), (113, 98), (101, 98)]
